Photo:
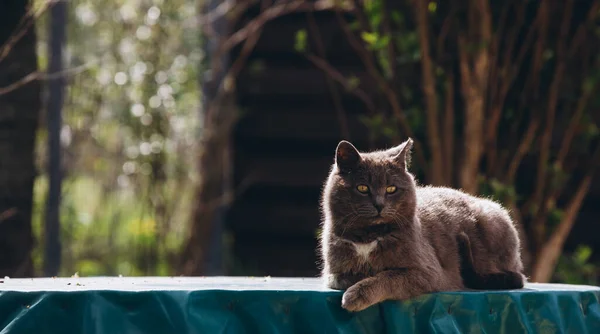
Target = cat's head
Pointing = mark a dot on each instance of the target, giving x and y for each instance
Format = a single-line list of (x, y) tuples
[(370, 188)]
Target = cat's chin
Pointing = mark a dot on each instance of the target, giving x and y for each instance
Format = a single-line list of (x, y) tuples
[(378, 220)]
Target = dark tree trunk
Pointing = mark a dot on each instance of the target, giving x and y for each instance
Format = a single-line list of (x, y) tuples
[(19, 112), (203, 252), (52, 249)]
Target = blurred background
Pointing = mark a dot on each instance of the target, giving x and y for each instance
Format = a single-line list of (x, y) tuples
[(192, 137)]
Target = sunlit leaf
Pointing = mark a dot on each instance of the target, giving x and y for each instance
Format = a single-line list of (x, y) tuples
[(300, 41), (432, 7), (583, 253), (353, 82), (370, 37)]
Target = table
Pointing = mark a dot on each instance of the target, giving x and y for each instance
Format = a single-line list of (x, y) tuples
[(280, 305)]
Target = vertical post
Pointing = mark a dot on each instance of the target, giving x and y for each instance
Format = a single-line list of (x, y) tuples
[(19, 114), (55, 98), (212, 81)]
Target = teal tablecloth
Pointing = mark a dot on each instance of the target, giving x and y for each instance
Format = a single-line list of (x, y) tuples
[(280, 305)]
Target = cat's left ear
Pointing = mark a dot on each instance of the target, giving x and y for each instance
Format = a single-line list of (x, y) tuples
[(401, 154)]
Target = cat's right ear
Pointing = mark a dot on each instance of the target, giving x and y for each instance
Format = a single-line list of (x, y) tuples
[(346, 156), (401, 153)]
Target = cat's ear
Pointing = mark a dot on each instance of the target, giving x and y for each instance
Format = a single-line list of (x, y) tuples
[(401, 154), (346, 156)]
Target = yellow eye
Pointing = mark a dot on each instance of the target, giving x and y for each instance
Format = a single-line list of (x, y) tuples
[(390, 189), (362, 188)]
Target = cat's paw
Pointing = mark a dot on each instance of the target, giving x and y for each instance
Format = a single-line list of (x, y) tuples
[(357, 298)]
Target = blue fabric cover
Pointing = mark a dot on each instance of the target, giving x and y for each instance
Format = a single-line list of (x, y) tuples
[(280, 305)]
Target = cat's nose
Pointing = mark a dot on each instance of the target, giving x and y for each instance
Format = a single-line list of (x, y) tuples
[(378, 203)]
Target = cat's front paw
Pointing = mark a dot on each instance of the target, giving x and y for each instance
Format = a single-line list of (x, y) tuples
[(357, 298)]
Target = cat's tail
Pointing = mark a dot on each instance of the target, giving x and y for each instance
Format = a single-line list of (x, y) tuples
[(474, 280)]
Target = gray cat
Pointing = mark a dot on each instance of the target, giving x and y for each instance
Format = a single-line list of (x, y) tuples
[(385, 238)]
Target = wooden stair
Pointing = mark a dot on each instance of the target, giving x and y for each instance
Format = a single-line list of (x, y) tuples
[(284, 146)]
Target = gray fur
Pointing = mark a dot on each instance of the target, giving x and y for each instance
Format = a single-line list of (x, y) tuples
[(414, 238)]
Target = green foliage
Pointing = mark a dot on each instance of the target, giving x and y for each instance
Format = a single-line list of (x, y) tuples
[(129, 136), (416, 117), (256, 66), (592, 79), (548, 54), (380, 127), (507, 87), (375, 41), (432, 7), (588, 133), (300, 43), (497, 190), (353, 82), (577, 268), (592, 131), (559, 177), (555, 216), (354, 25), (374, 10), (397, 17), (408, 45)]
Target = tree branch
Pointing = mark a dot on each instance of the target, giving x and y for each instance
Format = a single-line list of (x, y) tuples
[(508, 72), (509, 69), (443, 35), (358, 10), (387, 30), (391, 96), (553, 194), (539, 227), (433, 132), (4, 215), (578, 38), (550, 252), (474, 84), (474, 64), (240, 61), (335, 95), (339, 77), (448, 129), (223, 9), (586, 93), (43, 76), (24, 25), (573, 125), (495, 46), (522, 149), (270, 14), (542, 29)]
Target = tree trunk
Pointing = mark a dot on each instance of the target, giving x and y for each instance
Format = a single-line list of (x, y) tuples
[(19, 112), (550, 252), (431, 103), (203, 254), (474, 61), (52, 250), (473, 91)]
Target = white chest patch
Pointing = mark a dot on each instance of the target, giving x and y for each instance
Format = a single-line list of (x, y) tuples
[(364, 249)]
